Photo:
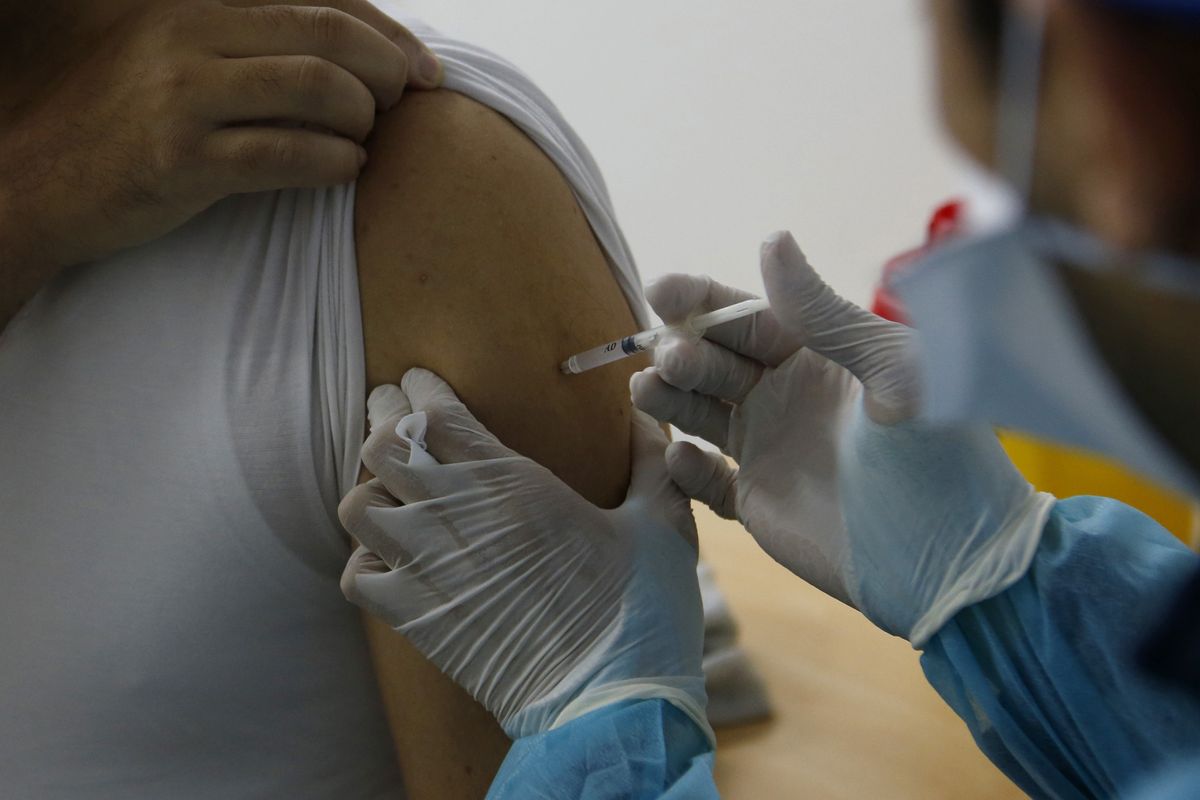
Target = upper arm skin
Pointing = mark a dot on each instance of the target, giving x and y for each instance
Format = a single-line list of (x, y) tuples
[(476, 262)]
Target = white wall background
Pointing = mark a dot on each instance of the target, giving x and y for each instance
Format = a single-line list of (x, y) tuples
[(718, 121)]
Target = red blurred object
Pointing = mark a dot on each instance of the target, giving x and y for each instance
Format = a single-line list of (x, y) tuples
[(945, 224)]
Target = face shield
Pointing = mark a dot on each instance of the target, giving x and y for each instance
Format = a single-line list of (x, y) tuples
[(1000, 339)]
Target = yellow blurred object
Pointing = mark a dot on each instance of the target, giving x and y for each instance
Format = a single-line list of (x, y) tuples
[(1065, 472)]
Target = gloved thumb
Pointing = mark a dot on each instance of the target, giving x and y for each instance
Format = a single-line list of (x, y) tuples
[(806, 304), (453, 435), (874, 350)]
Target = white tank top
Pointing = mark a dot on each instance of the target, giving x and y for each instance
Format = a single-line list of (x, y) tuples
[(177, 425)]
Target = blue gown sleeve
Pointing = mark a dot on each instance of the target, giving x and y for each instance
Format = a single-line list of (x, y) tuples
[(635, 749), (1179, 783), (1044, 674)]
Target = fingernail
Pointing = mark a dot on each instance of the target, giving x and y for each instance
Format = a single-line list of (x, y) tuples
[(429, 68), (771, 241), (671, 363), (637, 379), (384, 402)]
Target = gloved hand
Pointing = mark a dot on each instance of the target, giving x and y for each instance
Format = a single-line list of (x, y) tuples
[(540, 604), (815, 399)]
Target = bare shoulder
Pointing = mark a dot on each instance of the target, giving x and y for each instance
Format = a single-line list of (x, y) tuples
[(476, 261)]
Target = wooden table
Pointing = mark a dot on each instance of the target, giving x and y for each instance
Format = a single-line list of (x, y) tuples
[(855, 717)]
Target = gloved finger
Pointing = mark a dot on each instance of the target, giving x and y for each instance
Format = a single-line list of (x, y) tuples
[(365, 569), (704, 476), (361, 562), (399, 597), (707, 368), (453, 434), (386, 455), (695, 414), (386, 405), (425, 389), (398, 533), (677, 296), (353, 511), (648, 444), (651, 482), (383, 531), (760, 337), (412, 476)]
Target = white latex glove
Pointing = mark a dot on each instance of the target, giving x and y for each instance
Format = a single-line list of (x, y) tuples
[(540, 604), (906, 522)]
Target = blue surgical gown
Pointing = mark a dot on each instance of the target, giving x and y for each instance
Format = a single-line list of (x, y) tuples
[(1042, 674), (636, 749)]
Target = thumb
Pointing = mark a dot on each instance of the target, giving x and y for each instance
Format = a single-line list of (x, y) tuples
[(453, 435), (876, 351), (827, 323)]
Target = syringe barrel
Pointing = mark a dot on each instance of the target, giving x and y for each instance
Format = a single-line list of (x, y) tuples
[(596, 357), (608, 353)]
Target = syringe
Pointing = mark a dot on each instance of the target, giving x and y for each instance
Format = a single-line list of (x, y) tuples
[(646, 340)]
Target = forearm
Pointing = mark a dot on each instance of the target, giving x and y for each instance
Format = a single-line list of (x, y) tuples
[(1043, 673)]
